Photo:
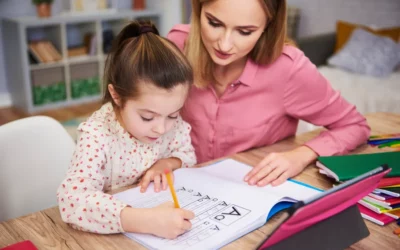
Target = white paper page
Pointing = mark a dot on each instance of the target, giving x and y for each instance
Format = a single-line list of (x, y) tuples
[(222, 210), (236, 171)]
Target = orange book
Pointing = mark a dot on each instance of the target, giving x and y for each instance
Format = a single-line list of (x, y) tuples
[(35, 52), (54, 53), (44, 52)]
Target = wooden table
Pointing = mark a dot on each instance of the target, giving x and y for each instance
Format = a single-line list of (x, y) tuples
[(47, 231)]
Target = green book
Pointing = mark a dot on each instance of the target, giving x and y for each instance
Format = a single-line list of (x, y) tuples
[(346, 167)]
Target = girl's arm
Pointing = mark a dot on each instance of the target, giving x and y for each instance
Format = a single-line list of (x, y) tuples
[(179, 153), (81, 199)]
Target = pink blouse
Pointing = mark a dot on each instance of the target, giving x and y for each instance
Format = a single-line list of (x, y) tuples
[(265, 105)]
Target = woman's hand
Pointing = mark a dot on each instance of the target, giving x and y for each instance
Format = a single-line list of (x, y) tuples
[(156, 174), (276, 168)]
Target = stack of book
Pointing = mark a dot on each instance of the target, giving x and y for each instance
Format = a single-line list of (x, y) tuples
[(383, 203), (382, 206)]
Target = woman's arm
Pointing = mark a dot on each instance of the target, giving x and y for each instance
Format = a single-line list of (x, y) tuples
[(309, 96)]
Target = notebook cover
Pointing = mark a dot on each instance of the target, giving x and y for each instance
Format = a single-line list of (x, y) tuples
[(347, 167), (325, 207), (325, 234), (23, 245)]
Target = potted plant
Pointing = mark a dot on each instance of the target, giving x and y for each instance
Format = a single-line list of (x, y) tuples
[(43, 7), (138, 4)]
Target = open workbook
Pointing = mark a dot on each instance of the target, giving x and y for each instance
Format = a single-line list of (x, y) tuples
[(225, 206)]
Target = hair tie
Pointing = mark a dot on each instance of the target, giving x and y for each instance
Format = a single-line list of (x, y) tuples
[(144, 29)]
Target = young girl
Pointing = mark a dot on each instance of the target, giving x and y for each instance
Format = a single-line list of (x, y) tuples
[(138, 132)]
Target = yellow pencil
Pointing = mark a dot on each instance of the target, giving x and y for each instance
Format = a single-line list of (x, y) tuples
[(171, 188)]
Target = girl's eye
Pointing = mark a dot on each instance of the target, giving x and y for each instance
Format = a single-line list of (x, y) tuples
[(146, 119), (213, 24), (172, 117), (245, 33)]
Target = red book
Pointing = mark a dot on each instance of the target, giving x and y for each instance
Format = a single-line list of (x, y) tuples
[(23, 245), (393, 201), (380, 219), (389, 181)]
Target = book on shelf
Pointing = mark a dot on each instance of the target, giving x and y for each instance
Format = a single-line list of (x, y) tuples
[(43, 52), (90, 43), (225, 206), (54, 54), (33, 50), (77, 51)]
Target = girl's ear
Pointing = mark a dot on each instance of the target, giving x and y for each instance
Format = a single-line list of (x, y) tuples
[(114, 95)]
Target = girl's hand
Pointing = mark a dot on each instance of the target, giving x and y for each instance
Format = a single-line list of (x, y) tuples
[(276, 168), (169, 222), (156, 174), (163, 221)]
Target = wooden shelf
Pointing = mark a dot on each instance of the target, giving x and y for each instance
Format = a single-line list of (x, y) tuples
[(83, 59), (47, 65), (72, 102), (34, 21)]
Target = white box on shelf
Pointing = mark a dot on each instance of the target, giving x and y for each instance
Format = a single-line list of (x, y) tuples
[(85, 7)]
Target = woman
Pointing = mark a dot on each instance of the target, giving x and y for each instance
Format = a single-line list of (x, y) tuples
[(253, 87)]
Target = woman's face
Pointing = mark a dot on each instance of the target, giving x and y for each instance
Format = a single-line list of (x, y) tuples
[(231, 28)]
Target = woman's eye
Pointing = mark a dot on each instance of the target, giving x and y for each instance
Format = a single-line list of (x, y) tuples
[(172, 117), (214, 24), (245, 33), (146, 119)]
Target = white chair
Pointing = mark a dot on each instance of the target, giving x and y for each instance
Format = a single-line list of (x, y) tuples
[(34, 156)]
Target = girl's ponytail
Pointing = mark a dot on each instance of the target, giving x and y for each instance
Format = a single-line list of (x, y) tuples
[(140, 54), (135, 29)]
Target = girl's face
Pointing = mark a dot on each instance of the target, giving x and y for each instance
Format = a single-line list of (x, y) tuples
[(154, 112), (231, 28)]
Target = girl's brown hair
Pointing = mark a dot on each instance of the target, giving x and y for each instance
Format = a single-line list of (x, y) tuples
[(140, 55), (267, 49)]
